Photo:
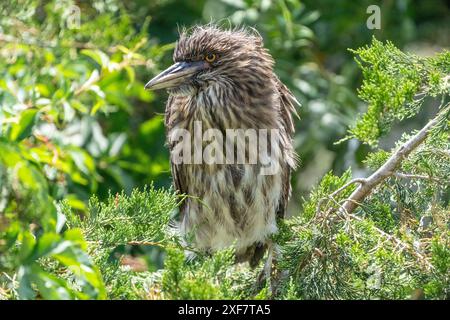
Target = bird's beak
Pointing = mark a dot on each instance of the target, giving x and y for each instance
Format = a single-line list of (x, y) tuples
[(175, 75)]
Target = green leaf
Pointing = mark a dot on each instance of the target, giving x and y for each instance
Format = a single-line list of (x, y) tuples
[(22, 129), (27, 245), (48, 285), (100, 103), (25, 290), (98, 56)]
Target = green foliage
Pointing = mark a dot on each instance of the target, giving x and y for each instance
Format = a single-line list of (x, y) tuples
[(141, 218), (179, 282), (396, 245), (440, 286), (395, 86), (205, 277), (57, 85), (36, 234), (68, 97), (77, 128), (327, 185)]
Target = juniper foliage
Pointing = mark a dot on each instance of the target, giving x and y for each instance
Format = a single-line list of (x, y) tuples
[(394, 245)]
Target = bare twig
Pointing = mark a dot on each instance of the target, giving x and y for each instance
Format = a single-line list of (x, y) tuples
[(345, 186), (131, 243), (145, 243), (401, 175), (336, 192), (388, 169)]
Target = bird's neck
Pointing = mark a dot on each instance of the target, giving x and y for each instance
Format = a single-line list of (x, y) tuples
[(228, 105)]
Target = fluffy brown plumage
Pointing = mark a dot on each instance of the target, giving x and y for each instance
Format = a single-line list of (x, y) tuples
[(227, 82)]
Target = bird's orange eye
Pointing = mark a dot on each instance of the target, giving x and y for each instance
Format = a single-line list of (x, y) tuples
[(210, 57)]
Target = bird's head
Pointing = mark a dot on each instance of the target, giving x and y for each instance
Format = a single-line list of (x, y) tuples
[(208, 55)]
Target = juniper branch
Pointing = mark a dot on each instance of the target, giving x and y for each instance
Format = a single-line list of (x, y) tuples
[(336, 192), (367, 185), (402, 175)]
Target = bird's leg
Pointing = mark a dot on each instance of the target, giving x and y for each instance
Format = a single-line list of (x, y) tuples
[(273, 273), (270, 270)]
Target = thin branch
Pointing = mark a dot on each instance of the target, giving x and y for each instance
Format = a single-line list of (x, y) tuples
[(389, 167), (345, 186), (336, 192), (145, 243), (402, 175), (131, 243)]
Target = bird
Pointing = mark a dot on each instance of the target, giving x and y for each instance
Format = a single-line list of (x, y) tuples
[(223, 79)]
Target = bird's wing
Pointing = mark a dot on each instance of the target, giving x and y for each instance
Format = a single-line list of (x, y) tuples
[(174, 168), (288, 105)]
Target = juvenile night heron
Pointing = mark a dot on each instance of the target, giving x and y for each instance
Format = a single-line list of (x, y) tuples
[(224, 79)]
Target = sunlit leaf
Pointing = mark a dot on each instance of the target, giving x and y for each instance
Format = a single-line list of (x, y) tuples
[(22, 129)]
